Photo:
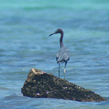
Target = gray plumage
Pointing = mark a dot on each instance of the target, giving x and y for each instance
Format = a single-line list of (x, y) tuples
[(63, 55)]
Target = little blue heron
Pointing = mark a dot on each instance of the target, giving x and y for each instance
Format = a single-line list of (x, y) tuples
[(63, 54)]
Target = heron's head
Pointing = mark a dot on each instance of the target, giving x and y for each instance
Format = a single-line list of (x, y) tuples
[(57, 31)]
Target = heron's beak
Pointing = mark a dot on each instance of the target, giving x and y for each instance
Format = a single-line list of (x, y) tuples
[(52, 34)]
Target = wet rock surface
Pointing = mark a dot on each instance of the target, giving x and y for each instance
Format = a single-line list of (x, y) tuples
[(43, 85)]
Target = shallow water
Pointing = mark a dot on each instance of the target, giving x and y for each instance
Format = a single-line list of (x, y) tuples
[(24, 44)]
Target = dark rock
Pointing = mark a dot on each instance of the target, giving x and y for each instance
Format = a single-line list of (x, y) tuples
[(43, 85)]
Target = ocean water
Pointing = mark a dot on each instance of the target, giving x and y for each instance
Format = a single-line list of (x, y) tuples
[(24, 44)]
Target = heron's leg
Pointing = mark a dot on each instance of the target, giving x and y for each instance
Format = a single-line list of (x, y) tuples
[(65, 70), (59, 70)]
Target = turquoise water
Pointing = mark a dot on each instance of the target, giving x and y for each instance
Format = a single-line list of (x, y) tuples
[(24, 44)]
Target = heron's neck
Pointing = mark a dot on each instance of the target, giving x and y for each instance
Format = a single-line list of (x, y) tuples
[(61, 39)]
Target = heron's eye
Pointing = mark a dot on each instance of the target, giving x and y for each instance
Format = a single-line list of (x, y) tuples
[(56, 31)]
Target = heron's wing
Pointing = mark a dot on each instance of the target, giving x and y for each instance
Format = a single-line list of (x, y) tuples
[(63, 55)]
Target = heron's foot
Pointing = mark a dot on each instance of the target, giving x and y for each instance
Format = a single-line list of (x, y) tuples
[(59, 75), (64, 76), (64, 73)]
